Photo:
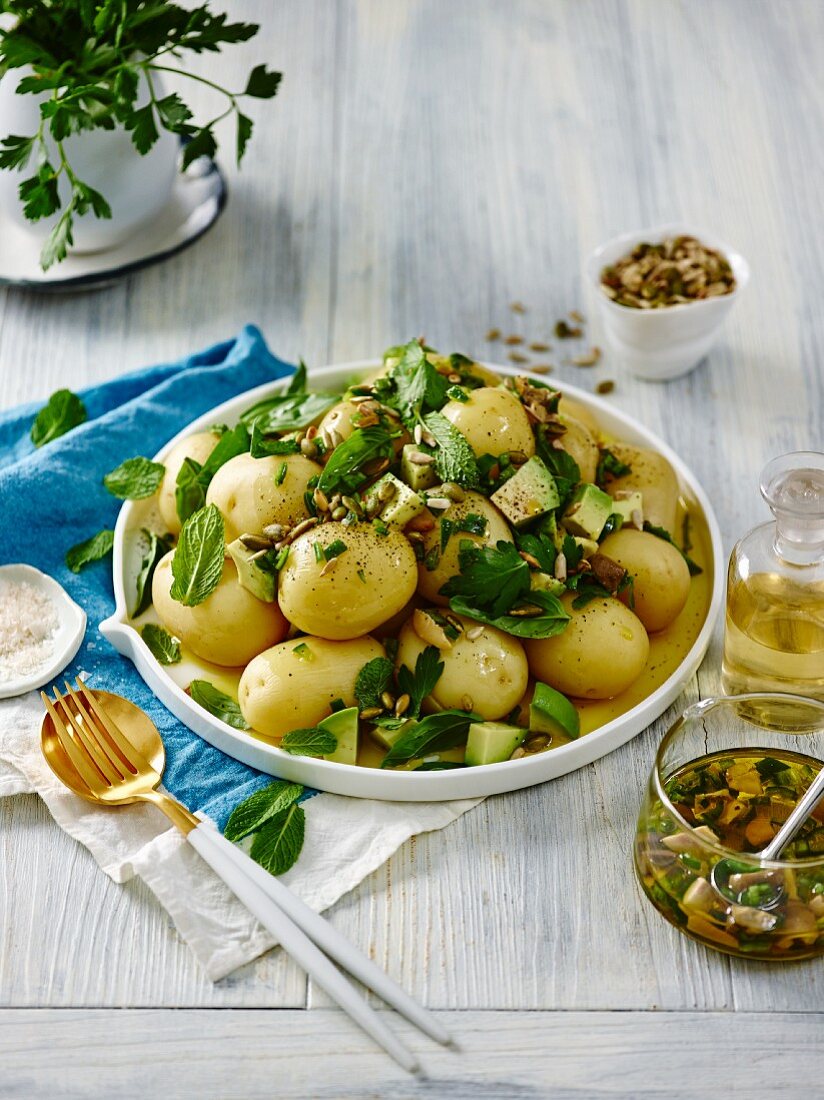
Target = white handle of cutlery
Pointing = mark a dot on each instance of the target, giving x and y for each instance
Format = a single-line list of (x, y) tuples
[(229, 866), (336, 946)]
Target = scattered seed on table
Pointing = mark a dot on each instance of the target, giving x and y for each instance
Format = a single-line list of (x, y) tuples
[(518, 307), (516, 357), (589, 359), (541, 368), (540, 347), (576, 316), (607, 386), (563, 331), (514, 340), (493, 334)]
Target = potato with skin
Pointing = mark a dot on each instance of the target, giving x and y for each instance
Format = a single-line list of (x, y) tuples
[(198, 446), (569, 407), (492, 420), (579, 442), (600, 652), (229, 628), (248, 496), (356, 591), (430, 581), (653, 477), (661, 579), (292, 685), (489, 671)]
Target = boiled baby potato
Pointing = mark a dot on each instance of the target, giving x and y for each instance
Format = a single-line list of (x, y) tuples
[(493, 421), (569, 407), (230, 627), (661, 579), (579, 442), (366, 584), (292, 685), (248, 496), (198, 446), (430, 581), (602, 649), (487, 674), (653, 477)]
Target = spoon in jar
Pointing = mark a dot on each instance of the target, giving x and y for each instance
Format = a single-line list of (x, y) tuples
[(730, 876)]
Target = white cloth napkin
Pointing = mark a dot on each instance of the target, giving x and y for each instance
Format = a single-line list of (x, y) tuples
[(346, 839)]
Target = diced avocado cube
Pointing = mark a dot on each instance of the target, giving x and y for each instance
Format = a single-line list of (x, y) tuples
[(387, 736), (260, 582), (530, 493), (416, 476), (491, 742), (588, 546), (402, 506), (549, 526), (543, 582), (344, 725), (628, 502), (551, 712), (589, 510)]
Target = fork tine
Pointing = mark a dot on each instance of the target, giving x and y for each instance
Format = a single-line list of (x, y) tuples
[(78, 758), (101, 754), (136, 761)]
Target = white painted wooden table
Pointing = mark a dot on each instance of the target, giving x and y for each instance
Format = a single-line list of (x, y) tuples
[(425, 165)]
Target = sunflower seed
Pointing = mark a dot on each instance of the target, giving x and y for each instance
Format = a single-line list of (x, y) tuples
[(475, 633), (440, 503), (388, 700), (330, 566), (418, 434), (587, 360), (418, 458), (561, 567), (320, 499), (402, 705), (370, 712), (301, 529)]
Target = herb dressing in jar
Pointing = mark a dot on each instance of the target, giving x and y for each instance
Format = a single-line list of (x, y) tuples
[(774, 638)]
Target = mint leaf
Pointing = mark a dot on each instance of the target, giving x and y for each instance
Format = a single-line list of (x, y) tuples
[(355, 460), (435, 733), (278, 844), (454, 458), (263, 445), (309, 742), (297, 383), (373, 679), (418, 386), (248, 816), (551, 621), (288, 412), (218, 703), (135, 479), (491, 578), (609, 466), (93, 549), (63, 412), (193, 479), (197, 565), (420, 683), (163, 647), (157, 546)]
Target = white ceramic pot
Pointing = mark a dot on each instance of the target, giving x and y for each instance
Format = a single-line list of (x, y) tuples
[(136, 187), (660, 344)]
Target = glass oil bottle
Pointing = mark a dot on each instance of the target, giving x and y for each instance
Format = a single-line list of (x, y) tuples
[(774, 638)]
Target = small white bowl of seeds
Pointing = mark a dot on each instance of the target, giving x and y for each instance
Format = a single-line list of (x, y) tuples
[(663, 294)]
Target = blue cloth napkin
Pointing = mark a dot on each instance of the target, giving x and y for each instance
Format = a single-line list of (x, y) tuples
[(53, 498)]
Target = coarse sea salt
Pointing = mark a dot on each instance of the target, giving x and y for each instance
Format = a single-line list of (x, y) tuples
[(28, 624)]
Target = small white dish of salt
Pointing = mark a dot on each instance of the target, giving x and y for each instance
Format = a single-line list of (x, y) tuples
[(41, 629)]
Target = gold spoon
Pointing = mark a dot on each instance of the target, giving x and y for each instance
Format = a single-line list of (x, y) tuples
[(109, 752)]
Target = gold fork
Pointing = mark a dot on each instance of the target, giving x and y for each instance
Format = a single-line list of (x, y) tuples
[(101, 764)]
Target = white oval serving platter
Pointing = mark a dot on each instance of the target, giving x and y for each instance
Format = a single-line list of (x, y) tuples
[(406, 786)]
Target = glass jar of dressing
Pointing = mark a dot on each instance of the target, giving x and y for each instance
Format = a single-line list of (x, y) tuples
[(774, 638)]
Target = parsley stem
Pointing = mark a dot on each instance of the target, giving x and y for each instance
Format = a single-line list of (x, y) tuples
[(195, 76)]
